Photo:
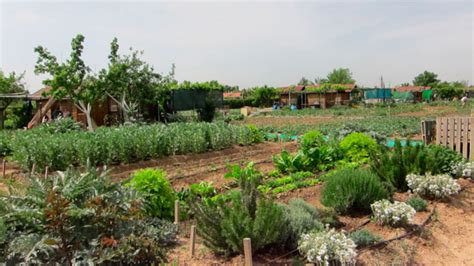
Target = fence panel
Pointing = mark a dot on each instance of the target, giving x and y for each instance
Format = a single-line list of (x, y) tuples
[(456, 133)]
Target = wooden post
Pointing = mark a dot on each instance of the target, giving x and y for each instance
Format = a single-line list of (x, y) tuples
[(176, 212), (192, 242), (4, 167), (33, 169), (248, 252), (45, 172)]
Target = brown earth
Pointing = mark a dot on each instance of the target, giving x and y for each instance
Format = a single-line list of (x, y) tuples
[(292, 120)]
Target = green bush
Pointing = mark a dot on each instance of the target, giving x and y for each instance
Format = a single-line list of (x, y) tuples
[(357, 147), (223, 225), (417, 203), (157, 192), (352, 190), (364, 238), (301, 218), (81, 218), (392, 166), (441, 160)]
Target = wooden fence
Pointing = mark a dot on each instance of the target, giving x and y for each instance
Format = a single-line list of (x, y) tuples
[(456, 133)]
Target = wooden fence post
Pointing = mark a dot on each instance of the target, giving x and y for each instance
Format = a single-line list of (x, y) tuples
[(45, 172), (192, 242), (176, 212), (4, 167), (33, 168), (248, 252)]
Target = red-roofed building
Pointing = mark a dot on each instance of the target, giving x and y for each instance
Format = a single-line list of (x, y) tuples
[(232, 95), (412, 88)]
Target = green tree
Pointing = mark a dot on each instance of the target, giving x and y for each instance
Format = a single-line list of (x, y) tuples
[(71, 78), (406, 84), (131, 82), (263, 96), (304, 81), (340, 76), (426, 79), (449, 90), (11, 83)]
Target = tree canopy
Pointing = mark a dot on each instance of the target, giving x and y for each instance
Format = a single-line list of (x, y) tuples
[(340, 76), (304, 81), (426, 79), (9, 83), (71, 78)]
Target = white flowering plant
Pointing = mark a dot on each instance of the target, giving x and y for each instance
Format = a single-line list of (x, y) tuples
[(463, 169), (328, 247), (435, 186), (392, 213)]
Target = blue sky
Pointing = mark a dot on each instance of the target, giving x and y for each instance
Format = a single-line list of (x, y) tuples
[(251, 43)]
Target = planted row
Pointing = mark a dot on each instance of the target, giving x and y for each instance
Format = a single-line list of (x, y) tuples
[(125, 144)]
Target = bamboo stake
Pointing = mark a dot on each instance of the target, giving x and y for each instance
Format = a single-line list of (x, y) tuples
[(46, 172), (248, 252), (4, 165), (192, 242), (33, 169)]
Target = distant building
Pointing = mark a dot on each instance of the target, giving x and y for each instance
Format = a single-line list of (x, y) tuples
[(412, 93), (317, 96)]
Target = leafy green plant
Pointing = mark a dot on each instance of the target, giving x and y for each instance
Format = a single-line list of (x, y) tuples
[(352, 190), (81, 217), (417, 203), (288, 163), (357, 147), (364, 238), (157, 192), (441, 160), (311, 139), (223, 225)]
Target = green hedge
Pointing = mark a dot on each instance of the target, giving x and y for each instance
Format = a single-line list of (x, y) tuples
[(125, 144), (239, 103)]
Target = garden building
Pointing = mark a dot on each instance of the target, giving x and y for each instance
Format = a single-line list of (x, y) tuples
[(317, 96), (412, 93)]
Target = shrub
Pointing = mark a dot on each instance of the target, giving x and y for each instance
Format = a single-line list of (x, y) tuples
[(364, 238), (157, 192), (357, 147), (435, 186), (223, 225), (301, 218), (207, 113), (81, 218), (394, 214), (463, 169), (328, 247), (392, 166), (417, 203), (352, 190), (442, 160)]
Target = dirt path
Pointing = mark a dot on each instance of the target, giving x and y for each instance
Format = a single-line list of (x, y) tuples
[(183, 170)]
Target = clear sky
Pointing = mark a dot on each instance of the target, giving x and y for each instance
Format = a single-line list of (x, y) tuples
[(251, 43)]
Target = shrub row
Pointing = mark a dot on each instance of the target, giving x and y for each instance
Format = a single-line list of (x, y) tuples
[(125, 144)]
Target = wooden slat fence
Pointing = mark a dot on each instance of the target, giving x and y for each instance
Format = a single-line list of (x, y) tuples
[(456, 133)]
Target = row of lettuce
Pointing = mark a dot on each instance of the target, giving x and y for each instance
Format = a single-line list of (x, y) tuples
[(58, 148), (83, 217)]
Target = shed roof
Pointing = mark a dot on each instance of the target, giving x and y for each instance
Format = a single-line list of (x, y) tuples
[(232, 94)]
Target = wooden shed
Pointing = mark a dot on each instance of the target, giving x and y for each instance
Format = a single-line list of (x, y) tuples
[(317, 96), (102, 112)]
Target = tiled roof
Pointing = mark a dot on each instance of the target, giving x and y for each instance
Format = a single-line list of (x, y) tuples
[(412, 88), (232, 94)]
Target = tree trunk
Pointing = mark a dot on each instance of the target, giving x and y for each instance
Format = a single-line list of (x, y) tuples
[(87, 110)]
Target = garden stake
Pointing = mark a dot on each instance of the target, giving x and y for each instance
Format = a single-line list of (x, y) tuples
[(248, 252), (193, 240), (33, 169), (45, 172), (4, 165), (176, 212)]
